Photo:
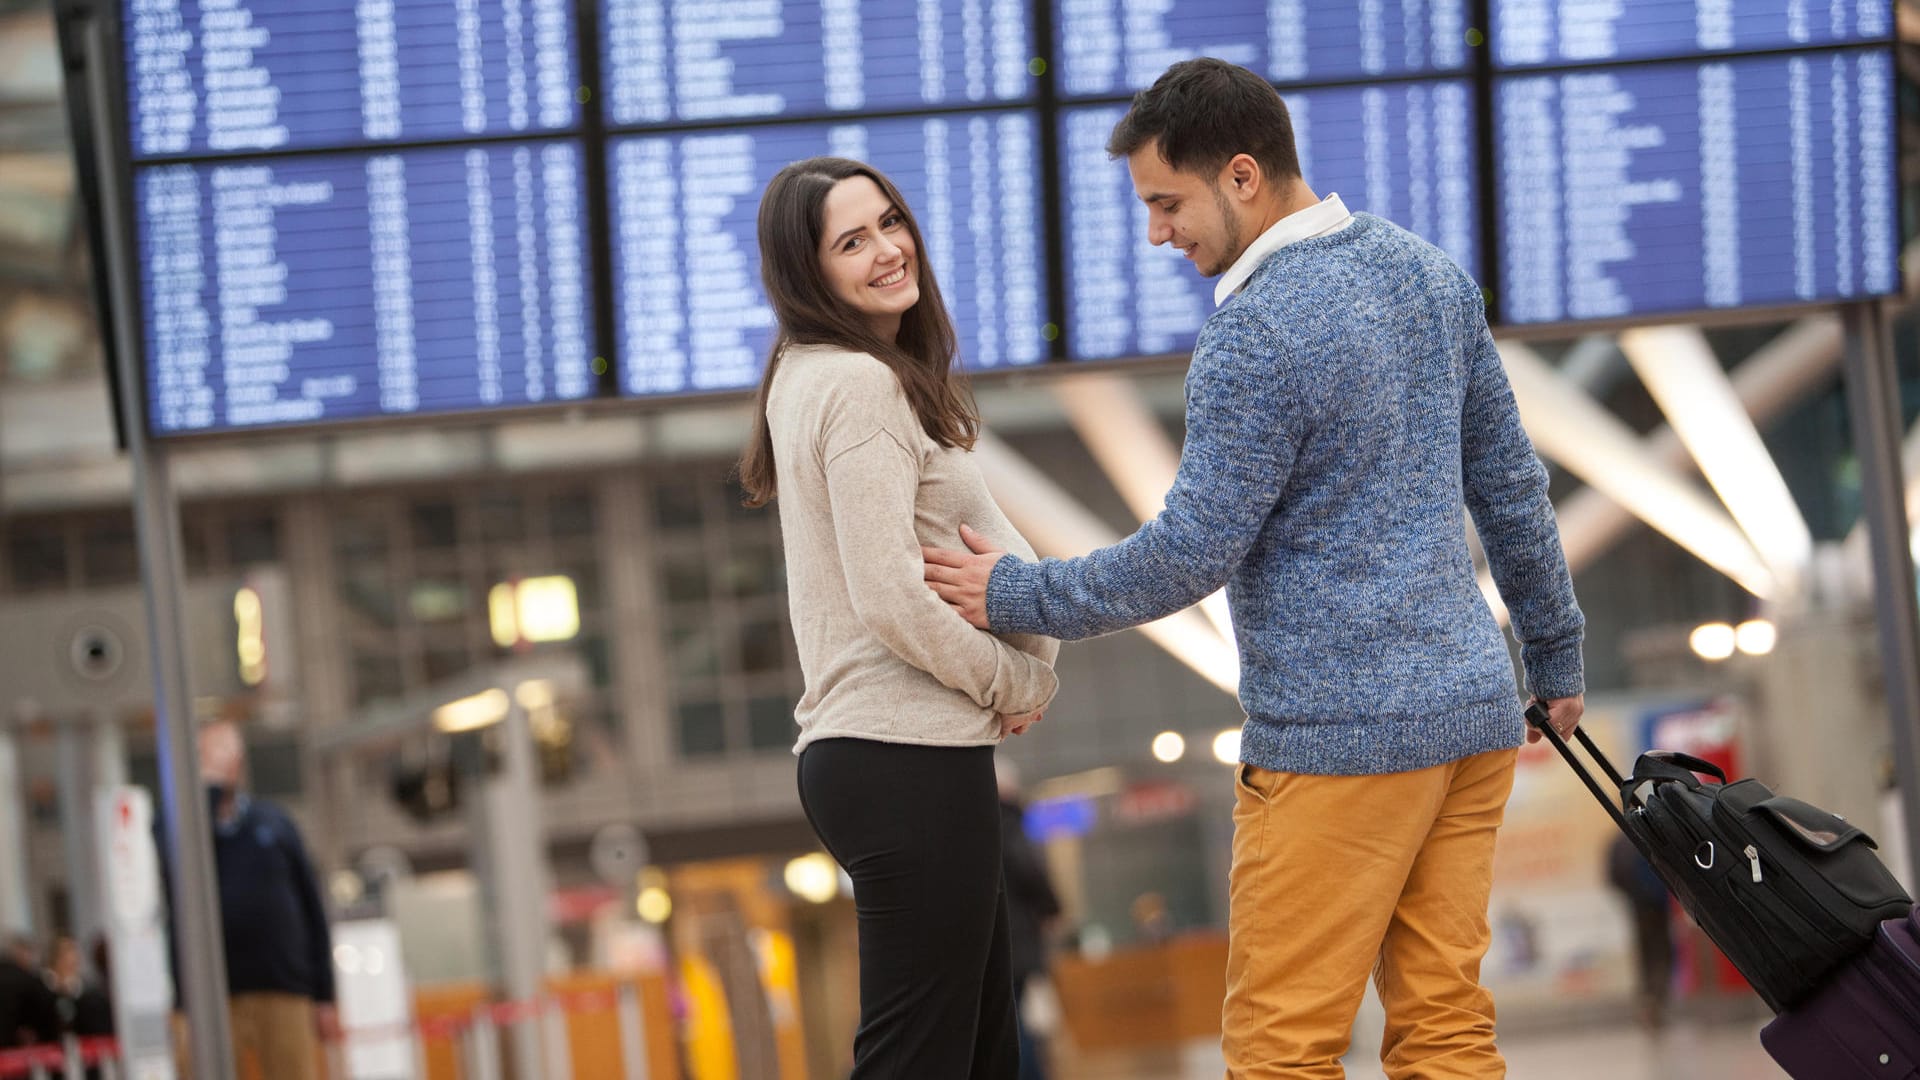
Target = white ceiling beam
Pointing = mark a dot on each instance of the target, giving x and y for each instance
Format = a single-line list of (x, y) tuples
[(1799, 361), (1569, 427), (1127, 441), (1680, 370)]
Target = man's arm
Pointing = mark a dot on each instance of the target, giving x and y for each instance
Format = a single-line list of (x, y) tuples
[(1506, 491), (1244, 420), (307, 893), (871, 486)]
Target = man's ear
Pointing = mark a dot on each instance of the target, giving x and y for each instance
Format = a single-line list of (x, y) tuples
[(1243, 177)]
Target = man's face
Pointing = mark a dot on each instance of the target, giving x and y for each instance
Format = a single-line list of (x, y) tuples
[(1191, 212), (223, 755)]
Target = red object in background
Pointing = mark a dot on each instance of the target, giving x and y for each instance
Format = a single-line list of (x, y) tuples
[(1143, 803)]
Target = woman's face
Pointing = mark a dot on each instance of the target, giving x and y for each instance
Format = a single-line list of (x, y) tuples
[(867, 254)]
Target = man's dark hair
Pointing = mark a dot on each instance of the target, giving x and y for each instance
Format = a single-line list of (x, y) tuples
[(1205, 111)]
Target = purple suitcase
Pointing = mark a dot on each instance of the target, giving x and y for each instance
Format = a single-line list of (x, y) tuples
[(1865, 1022)]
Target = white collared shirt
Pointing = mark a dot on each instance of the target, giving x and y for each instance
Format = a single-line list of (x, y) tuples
[(1327, 215)]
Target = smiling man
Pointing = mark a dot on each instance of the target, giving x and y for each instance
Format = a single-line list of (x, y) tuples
[(1345, 409)]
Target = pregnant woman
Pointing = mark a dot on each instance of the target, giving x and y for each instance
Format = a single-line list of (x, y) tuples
[(865, 434)]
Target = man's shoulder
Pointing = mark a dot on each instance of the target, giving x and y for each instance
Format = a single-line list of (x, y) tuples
[(264, 814)]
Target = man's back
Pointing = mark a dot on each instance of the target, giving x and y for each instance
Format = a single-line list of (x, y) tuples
[(1357, 602)]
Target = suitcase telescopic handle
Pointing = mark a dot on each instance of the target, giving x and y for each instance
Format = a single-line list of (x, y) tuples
[(1537, 716)]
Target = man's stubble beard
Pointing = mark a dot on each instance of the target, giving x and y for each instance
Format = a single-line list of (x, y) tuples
[(1232, 249)]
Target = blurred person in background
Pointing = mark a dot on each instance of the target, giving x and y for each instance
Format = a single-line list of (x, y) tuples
[(85, 1009), (86, 1012), (1032, 907), (29, 1011), (1346, 410), (1633, 877), (865, 433), (278, 947)]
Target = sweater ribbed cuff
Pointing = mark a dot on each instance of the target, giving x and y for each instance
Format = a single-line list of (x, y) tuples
[(1557, 673), (1013, 602)]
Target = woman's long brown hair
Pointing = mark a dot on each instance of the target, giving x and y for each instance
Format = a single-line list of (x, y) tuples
[(792, 215)]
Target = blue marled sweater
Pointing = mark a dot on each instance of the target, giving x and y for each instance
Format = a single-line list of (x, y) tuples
[(1343, 412)]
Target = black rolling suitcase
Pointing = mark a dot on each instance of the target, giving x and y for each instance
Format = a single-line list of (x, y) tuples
[(1787, 890)]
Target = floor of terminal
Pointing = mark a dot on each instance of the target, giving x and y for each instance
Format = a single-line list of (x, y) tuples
[(1686, 1051)]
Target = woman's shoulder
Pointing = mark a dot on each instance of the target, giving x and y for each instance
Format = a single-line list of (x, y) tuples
[(837, 371)]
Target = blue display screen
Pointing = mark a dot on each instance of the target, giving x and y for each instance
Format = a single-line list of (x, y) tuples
[(1676, 187), (346, 286), (243, 76), (1531, 33), (691, 313), (346, 209), (1404, 152), (696, 60), (1109, 47)]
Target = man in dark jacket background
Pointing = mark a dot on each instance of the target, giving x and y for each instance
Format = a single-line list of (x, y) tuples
[(279, 949), (29, 1012)]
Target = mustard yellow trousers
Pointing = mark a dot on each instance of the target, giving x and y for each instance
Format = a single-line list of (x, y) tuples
[(1338, 878)]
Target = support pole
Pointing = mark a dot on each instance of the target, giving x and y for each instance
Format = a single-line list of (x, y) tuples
[(189, 840), (1873, 406)]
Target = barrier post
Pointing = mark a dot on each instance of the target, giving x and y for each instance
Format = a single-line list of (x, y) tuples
[(483, 1046), (552, 1020), (633, 1031)]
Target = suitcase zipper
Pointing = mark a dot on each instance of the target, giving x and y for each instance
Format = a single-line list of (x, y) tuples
[(1753, 856)]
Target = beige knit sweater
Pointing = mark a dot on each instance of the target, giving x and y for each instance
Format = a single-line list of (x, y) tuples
[(861, 487)]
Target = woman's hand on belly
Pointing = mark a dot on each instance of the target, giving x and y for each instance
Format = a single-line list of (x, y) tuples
[(1018, 723)]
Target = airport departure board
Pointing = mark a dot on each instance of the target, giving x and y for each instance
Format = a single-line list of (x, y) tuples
[(1119, 46), (1531, 33), (242, 76), (1403, 151), (351, 209), (692, 316), (344, 286), (1674, 187), (698, 60)]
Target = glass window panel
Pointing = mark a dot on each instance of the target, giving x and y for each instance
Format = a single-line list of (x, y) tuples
[(676, 506), (445, 659), (273, 766), (684, 577), (734, 497), (752, 570), (253, 538), (376, 677), (503, 517), (37, 555), (589, 590), (368, 595), (703, 729), (598, 653), (196, 545), (435, 523), (763, 646), (770, 723), (359, 535), (572, 515), (107, 553), (438, 600), (692, 648)]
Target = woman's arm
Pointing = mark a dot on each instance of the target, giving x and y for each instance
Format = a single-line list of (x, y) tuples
[(871, 484)]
